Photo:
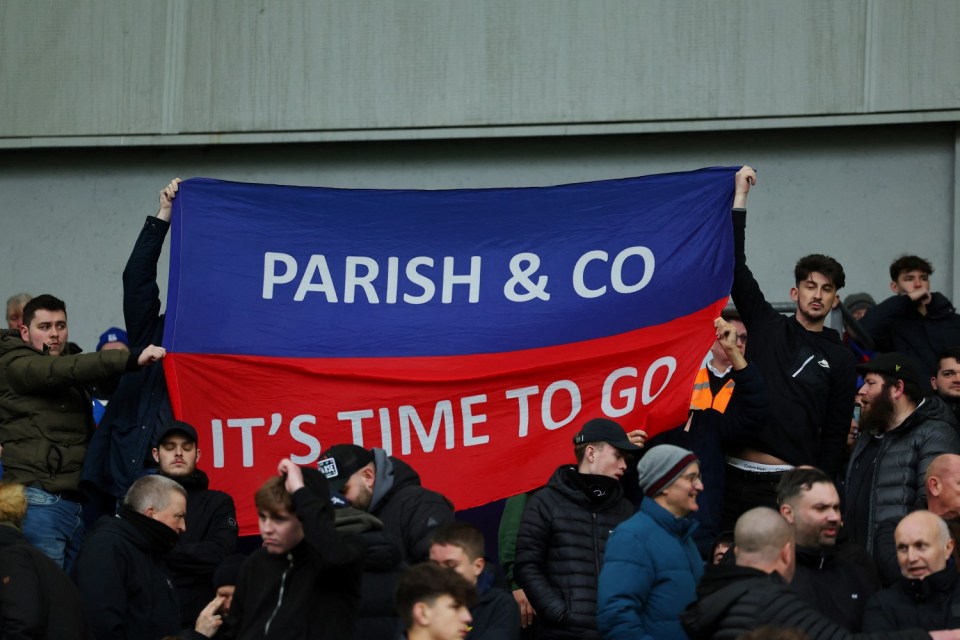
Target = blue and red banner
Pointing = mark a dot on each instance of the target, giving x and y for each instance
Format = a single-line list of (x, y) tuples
[(470, 332)]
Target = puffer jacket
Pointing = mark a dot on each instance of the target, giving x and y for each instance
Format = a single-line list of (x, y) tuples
[(560, 546), (735, 600), (649, 575), (45, 411), (903, 458)]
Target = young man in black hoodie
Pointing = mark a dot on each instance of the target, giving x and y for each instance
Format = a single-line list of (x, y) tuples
[(304, 582), (211, 521), (808, 371), (496, 615)]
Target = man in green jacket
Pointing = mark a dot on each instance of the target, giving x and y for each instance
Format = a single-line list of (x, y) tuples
[(46, 419)]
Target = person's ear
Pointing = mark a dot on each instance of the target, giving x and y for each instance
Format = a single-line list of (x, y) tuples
[(787, 512), (198, 454), (478, 565), (893, 287), (836, 301), (156, 455), (421, 614), (794, 294), (24, 333)]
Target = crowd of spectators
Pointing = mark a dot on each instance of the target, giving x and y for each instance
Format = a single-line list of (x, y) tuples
[(812, 492)]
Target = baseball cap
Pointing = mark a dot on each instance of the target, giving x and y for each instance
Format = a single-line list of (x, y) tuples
[(896, 364), (603, 430), (342, 461), (177, 426)]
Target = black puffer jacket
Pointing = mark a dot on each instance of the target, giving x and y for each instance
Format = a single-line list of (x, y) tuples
[(560, 546), (931, 604), (903, 458), (896, 325), (734, 600)]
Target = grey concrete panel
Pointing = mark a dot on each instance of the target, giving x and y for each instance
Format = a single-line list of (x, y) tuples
[(861, 194), (81, 68)]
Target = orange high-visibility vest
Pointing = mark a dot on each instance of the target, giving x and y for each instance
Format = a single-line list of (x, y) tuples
[(703, 399)]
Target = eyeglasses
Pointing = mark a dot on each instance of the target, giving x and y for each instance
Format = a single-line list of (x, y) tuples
[(692, 478)]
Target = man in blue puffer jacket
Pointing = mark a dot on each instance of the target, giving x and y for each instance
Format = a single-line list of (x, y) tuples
[(651, 567)]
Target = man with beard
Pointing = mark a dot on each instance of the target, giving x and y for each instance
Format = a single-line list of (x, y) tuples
[(901, 432), (834, 575), (947, 381)]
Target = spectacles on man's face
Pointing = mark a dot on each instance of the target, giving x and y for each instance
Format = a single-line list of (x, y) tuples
[(692, 477)]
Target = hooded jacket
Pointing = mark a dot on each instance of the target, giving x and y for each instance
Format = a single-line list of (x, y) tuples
[(930, 604), (734, 600), (896, 325), (127, 593), (312, 591), (560, 547), (407, 509), (37, 599), (650, 573), (211, 537), (45, 410), (904, 455)]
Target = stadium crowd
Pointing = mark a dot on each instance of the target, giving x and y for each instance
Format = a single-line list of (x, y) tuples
[(812, 492)]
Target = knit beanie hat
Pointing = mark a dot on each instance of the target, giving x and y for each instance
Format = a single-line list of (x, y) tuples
[(661, 466)]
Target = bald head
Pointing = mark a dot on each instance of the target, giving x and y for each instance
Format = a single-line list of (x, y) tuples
[(763, 540), (923, 544), (943, 486)]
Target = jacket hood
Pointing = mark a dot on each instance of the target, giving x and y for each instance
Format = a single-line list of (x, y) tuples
[(196, 481), (932, 408), (720, 588), (942, 582), (9, 340), (940, 306)]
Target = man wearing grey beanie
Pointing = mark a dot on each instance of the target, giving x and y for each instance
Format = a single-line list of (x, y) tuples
[(651, 567)]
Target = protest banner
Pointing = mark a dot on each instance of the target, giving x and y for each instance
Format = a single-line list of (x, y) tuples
[(470, 332)]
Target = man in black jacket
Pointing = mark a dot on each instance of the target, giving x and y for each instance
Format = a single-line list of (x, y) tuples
[(901, 432), (734, 599), (304, 582), (915, 320), (141, 404), (926, 595), (834, 575), (211, 521), (496, 615), (946, 380), (808, 371), (564, 530), (126, 590)]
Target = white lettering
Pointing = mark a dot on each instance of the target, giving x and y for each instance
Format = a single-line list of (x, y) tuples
[(317, 264), (304, 438), (546, 412), (472, 279), (351, 280), (616, 271), (271, 277), (671, 365), (470, 419), (629, 394), (524, 410), (578, 271)]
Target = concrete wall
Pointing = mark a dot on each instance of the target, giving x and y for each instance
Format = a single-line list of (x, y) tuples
[(862, 194), (122, 72)]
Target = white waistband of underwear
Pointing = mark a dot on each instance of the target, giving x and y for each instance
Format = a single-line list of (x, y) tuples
[(756, 467)]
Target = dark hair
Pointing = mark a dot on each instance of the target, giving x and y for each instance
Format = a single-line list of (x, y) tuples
[(910, 387), (46, 302), (949, 352), (463, 535), (724, 539), (273, 497), (425, 582), (729, 313), (797, 481), (817, 262), (909, 263)]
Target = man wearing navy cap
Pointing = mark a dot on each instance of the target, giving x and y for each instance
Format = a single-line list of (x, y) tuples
[(564, 531), (211, 520), (901, 432)]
